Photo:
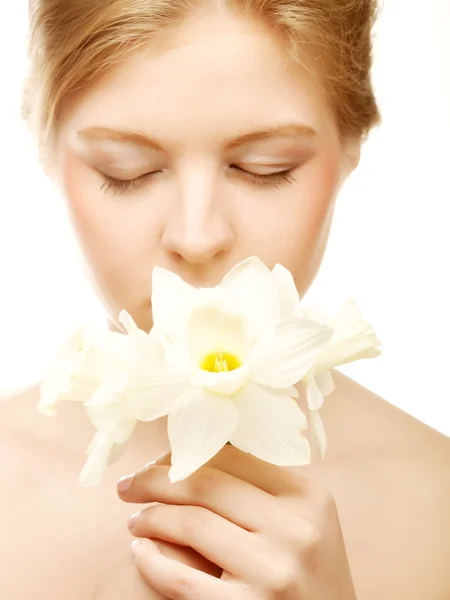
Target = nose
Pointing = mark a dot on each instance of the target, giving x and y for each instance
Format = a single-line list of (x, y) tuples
[(197, 227)]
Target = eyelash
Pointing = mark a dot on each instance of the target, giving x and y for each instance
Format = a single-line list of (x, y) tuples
[(121, 186)]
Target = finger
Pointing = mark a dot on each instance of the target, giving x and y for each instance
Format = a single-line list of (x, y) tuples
[(207, 487), (273, 479), (188, 556), (245, 555), (177, 581), (164, 459)]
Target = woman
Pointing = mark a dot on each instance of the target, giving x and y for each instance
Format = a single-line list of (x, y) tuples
[(191, 135)]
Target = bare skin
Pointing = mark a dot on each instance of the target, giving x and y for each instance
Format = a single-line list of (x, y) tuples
[(387, 471), (198, 215)]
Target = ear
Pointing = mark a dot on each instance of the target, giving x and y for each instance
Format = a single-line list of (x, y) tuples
[(45, 163), (351, 155)]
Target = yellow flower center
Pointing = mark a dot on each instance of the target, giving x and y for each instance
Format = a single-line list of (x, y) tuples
[(220, 362)]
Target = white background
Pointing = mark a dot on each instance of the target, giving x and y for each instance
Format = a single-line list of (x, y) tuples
[(389, 248)]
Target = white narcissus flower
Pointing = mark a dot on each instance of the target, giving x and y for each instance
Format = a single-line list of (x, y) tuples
[(109, 413), (80, 365), (353, 339), (220, 362), (92, 366), (97, 369), (240, 356), (144, 383)]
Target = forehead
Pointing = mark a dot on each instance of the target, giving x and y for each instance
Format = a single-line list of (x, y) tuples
[(217, 75)]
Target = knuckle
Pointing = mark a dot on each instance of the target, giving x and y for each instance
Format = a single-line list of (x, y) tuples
[(203, 482), (182, 588), (311, 539), (320, 508), (311, 536), (282, 578), (323, 498)]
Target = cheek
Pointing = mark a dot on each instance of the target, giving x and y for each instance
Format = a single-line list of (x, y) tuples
[(109, 228), (293, 230), (115, 239)]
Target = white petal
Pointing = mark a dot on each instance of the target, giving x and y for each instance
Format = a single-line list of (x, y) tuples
[(123, 431), (317, 433), (70, 360), (106, 447), (128, 322), (287, 290), (171, 301), (98, 459), (150, 355), (152, 397), (152, 388), (117, 452), (179, 360), (198, 430), (315, 312), (353, 339), (211, 330), (324, 380), (253, 289), (290, 391), (270, 427), (222, 383), (297, 344), (137, 337), (314, 395), (110, 355), (107, 406)]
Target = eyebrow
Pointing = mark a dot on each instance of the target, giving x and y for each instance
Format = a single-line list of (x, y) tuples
[(140, 139)]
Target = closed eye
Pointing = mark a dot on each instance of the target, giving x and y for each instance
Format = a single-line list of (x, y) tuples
[(121, 186)]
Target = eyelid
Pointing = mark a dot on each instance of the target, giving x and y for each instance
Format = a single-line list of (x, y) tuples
[(124, 169), (125, 163), (120, 186), (126, 176), (282, 157), (122, 173), (273, 168)]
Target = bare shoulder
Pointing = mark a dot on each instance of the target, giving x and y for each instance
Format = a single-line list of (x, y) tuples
[(391, 481), (18, 437), (13, 402), (30, 441), (77, 539), (381, 424), (25, 429)]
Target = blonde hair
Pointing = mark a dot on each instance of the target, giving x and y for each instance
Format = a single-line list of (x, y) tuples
[(74, 42)]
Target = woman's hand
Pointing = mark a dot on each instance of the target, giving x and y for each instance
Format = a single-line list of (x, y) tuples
[(273, 533)]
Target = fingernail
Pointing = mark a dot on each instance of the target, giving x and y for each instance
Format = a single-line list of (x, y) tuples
[(137, 547), (162, 459), (132, 520), (144, 545), (124, 484), (157, 461)]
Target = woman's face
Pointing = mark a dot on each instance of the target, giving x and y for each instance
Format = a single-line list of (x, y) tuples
[(237, 155)]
